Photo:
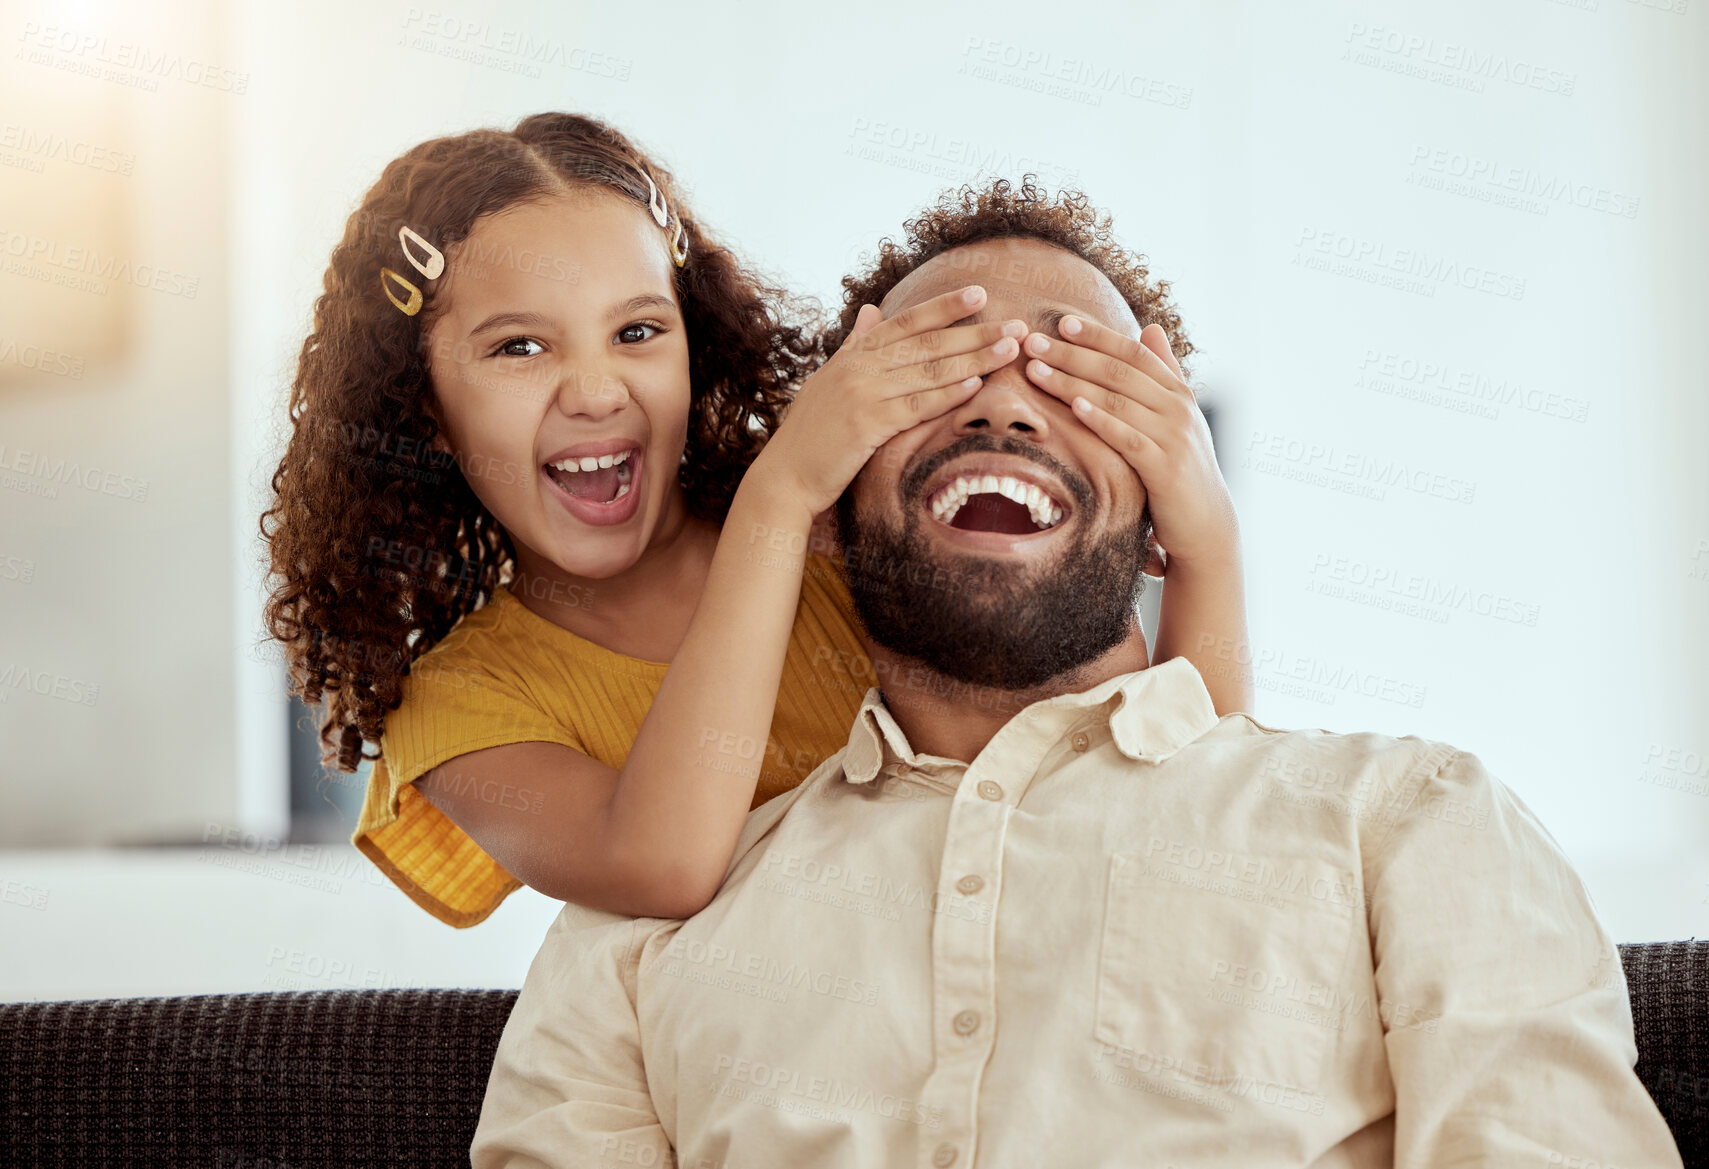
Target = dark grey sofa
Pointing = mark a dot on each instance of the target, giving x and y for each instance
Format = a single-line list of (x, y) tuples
[(390, 1078)]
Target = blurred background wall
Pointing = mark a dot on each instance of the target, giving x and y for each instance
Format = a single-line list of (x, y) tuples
[(1443, 264)]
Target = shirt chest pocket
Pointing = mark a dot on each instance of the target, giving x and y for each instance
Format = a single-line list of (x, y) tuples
[(1219, 970)]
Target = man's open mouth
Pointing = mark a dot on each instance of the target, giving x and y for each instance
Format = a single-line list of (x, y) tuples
[(995, 503), (604, 479)]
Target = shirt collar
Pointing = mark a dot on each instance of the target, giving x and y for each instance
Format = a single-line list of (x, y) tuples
[(1152, 714)]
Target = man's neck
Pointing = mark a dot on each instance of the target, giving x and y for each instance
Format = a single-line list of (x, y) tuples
[(941, 716)]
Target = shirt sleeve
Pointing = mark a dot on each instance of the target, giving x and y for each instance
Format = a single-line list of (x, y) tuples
[(1506, 1018), (568, 1087)]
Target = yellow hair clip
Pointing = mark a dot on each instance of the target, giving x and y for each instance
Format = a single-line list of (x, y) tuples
[(431, 267)]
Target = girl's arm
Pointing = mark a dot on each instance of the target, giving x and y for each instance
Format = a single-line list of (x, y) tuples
[(1140, 403), (656, 838), (653, 839)]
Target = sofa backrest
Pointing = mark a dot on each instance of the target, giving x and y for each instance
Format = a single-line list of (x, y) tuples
[(385, 1078)]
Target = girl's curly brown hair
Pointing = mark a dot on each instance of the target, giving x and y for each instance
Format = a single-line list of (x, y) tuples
[(1003, 210), (378, 544)]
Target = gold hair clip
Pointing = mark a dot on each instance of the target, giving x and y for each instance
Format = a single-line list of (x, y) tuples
[(679, 244), (410, 307), (431, 268)]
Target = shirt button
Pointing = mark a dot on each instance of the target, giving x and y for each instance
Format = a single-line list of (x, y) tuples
[(966, 1022), (970, 884), (990, 789), (944, 1156), (1081, 741)]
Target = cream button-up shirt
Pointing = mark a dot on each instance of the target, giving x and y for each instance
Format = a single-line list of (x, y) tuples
[(1127, 934)]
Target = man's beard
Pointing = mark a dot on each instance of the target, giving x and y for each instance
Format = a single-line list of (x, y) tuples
[(985, 620)]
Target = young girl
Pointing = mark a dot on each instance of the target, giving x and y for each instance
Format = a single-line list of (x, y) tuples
[(541, 530)]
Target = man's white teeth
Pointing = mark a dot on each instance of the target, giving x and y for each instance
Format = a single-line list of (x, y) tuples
[(948, 500), (591, 463)]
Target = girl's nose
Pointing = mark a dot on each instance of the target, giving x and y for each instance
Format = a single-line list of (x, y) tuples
[(590, 393)]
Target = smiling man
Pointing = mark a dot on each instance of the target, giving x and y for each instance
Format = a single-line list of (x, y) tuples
[(1045, 909)]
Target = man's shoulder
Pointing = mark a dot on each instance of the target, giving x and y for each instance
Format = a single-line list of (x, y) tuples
[(1327, 760), (1248, 733), (763, 821)]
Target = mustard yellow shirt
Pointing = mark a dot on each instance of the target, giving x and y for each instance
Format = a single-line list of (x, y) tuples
[(505, 674)]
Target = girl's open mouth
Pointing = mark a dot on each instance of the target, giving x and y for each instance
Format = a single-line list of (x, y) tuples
[(602, 489)]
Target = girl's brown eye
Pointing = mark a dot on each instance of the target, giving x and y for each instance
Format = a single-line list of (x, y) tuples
[(630, 334), (510, 347)]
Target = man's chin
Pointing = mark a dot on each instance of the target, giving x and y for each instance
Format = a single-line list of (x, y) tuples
[(988, 619)]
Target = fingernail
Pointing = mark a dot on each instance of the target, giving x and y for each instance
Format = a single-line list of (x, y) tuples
[(1040, 369), (1005, 348), (1070, 326), (971, 383), (973, 295), (1041, 343), (1015, 329)]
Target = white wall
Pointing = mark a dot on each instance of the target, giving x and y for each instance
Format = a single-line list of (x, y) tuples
[(116, 661), (1239, 137), (1233, 132)]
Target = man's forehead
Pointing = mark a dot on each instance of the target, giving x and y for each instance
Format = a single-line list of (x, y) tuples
[(1025, 278)]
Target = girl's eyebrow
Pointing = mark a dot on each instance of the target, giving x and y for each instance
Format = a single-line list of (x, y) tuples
[(645, 300), (538, 320), (511, 318)]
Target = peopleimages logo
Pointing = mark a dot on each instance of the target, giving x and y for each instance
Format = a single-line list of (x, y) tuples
[(1350, 471), (87, 269), (1432, 60), (40, 474), (140, 66), (1520, 181), (1411, 269)]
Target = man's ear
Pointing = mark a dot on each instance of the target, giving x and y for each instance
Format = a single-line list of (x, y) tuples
[(822, 536), (1156, 560)]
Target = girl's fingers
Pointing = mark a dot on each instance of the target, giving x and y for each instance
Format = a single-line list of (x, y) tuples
[(1106, 371), (1155, 339), (899, 413), (936, 313), (1091, 335), (945, 371), (1138, 448), (1066, 387), (941, 343), (866, 320)]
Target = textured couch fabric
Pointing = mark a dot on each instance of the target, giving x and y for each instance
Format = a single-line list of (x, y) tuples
[(389, 1078)]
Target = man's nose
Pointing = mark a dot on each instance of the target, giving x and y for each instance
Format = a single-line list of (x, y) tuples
[(1006, 404)]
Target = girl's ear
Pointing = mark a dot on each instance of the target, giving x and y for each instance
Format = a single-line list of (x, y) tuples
[(439, 444)]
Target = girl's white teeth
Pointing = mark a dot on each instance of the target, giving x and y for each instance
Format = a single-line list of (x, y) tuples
[(948, 500), (591, 463)]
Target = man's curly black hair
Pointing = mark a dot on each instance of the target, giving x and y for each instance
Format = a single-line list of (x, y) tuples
[(1003, 210)]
